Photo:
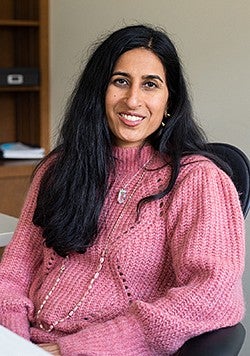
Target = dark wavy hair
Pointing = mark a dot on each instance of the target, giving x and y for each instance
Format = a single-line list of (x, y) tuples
[(74, 187)]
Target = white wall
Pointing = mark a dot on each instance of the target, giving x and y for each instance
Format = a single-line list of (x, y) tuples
[(213, 38)]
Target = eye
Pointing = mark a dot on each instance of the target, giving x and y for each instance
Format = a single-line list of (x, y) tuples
[(150, 85), (120, 82)]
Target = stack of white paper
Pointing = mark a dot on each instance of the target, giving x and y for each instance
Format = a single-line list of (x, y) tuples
[(18, 150)]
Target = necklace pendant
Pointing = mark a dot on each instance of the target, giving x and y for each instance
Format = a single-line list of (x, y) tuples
[(121, 196)]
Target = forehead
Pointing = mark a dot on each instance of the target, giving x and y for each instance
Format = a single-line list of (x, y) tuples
[(140, 61)]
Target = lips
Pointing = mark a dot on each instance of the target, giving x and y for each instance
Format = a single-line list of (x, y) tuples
[(131, 119)]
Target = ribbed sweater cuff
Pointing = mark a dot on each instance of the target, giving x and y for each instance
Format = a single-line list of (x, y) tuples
[(121, 336), (16, 322)]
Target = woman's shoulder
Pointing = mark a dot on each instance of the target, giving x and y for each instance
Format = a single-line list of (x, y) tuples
[(202, 167), (45, 163), (194, 165), (195, 161), (201, 180)]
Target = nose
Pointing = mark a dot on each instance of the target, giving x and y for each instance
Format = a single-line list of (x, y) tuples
[(134, 97)]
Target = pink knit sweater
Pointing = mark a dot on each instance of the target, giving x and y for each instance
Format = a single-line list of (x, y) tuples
[(173, 274)]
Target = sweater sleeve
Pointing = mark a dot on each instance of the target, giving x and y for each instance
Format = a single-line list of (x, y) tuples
[(205, 226), (20, 260)]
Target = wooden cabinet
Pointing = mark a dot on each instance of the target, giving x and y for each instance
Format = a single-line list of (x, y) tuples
[(24, 110)]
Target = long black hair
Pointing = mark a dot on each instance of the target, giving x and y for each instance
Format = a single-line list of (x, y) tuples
[(74, 187)]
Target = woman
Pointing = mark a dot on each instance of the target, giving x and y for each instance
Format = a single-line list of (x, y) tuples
[(130, 241)]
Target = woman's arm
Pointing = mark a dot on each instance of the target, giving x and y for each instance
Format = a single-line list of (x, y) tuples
[(53, 349), (206, 228), (20, 260)]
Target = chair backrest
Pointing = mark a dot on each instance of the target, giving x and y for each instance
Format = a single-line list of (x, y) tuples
[(240, 166)]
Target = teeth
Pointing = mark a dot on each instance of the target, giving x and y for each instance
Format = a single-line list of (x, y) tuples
[(132, 117)]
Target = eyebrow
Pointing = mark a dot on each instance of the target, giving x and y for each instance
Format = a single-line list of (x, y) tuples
[(148, 76)]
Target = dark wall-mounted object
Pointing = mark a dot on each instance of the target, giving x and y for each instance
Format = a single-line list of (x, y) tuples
[(19, 76)]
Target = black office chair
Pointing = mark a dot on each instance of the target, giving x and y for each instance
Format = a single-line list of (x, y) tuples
[(226, 341)]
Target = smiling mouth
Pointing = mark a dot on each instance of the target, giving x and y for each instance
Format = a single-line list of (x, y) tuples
[(131, 118)]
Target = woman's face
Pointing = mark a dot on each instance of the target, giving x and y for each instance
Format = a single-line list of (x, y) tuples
[(136, 97)]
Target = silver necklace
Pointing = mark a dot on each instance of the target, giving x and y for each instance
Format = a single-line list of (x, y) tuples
[(96, 274), (122, 194)]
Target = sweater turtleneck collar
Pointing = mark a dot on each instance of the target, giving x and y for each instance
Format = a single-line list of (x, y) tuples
[(130, 159)]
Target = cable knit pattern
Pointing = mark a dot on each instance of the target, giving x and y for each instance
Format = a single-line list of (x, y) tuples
[(170, 275)]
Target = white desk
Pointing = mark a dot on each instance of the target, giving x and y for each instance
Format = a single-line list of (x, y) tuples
[(14, 345), (7, 227)]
